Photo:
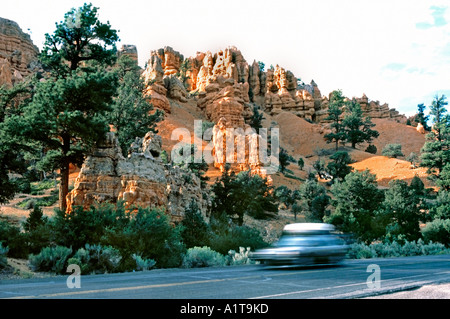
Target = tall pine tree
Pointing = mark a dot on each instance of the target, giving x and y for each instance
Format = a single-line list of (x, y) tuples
[(435, 153), (357, 129), (335, 111), (67, 112)]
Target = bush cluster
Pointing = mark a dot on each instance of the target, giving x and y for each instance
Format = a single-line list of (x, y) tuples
[(197, 257), (110, 238), (394, 249), (3, 253)]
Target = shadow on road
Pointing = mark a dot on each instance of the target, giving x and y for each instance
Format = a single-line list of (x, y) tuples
[(299, 267)]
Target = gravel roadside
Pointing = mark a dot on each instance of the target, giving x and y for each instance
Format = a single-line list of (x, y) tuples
[(435, 291)]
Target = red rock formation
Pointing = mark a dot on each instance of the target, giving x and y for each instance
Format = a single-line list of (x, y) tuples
[(18, 54), (130, 50), (141, 179), (161, 76)]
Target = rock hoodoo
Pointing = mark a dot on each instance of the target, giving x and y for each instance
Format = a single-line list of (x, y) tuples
[(140, 179), (227, 86)]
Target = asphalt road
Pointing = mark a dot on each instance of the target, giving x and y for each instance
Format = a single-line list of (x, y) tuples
[(349, 280)]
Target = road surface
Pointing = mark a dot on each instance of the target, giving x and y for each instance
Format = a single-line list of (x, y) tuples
[(352, 279)]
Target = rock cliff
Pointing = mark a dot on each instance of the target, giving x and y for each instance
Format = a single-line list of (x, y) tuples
[(18, 54), (140, 179)]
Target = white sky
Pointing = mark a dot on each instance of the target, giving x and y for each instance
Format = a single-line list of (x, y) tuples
[(396, 51)]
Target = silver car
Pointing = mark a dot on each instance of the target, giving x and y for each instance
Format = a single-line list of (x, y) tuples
[(304, 244)]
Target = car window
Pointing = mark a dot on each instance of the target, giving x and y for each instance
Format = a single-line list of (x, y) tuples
[(308, 241)]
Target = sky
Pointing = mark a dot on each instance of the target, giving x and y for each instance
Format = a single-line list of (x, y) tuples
[(396, 51)]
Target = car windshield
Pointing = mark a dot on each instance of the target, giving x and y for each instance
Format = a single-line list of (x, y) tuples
[(307, 241)]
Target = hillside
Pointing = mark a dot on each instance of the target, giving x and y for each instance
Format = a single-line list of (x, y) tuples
[(222, 88), (303, 139)]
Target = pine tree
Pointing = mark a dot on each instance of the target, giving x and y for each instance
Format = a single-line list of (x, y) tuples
[(132, 115), (421, 117), (435, 153), (67, 112), (13, 147), (357, 129), (313, 200), (356, 200), (335, 111), (401, 208), (195, 231), (256, 119), (339, 167)]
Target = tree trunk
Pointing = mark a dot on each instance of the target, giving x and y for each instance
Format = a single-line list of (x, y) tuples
[(64, 172), (64, 186)]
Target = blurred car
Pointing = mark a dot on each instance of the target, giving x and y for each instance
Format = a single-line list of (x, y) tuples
[(304, 244)]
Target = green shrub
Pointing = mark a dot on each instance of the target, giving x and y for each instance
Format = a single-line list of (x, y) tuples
[(434, 248), (438, 231), (23, 185), (150, 233), (82, 227), (143, 264), (360, 251), (392, 150), (372, 149), (235, 237), (12, 238), (97, 259), (383, 250), (51, 259), (394, 249), (38, 188), (3, 254), (30, 203), (203, 257)]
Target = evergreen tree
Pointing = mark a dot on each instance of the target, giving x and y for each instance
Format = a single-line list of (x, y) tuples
[(339, 167), (13, 148), (421, 117), (195, 231), (284, 160), (335, 110), (441, 209), (313, 200), (435, 153), (301, 163), (244, 193), (132, 114), (356, 200), (417, 186), (357, 129), (67, 112), (256, 119), (401, 208)]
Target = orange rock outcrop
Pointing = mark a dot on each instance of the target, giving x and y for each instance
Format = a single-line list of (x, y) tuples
[(141, 179), (18, 54)]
